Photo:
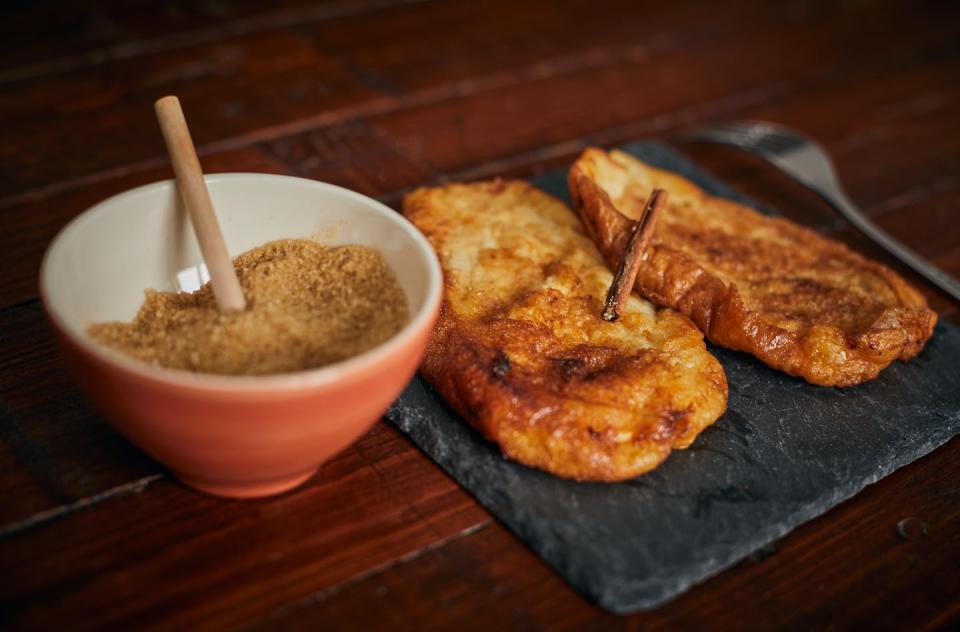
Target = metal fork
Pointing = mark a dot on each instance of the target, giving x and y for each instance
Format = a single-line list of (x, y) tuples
[(808, 163)]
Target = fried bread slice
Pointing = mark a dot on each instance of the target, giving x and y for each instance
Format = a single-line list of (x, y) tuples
[(520, 350), (798, 301)]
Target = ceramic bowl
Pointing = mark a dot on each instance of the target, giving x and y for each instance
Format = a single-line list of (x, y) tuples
[(239, 436)]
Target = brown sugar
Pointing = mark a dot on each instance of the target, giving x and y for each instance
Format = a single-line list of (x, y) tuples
[(308, 305)]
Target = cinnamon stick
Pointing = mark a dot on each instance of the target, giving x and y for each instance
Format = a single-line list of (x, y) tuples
[(630, 263)]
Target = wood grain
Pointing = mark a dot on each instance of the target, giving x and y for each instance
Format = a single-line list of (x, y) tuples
[(380, 99), (350, 155), (454, 144), (65, 35), (369, 506), (65, 452), (378, 161), (284, 80), (229, 87), (488, 580)]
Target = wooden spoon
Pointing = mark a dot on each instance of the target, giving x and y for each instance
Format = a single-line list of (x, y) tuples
[(193, 189)]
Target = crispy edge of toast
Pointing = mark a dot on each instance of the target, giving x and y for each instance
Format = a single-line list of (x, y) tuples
[(719, 311)]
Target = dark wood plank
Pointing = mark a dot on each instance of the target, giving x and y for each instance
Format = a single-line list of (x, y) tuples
[(350, 155), (26, 485), (260, 82), (56, 36), (172, 555), (484, 44), (835, 572), (906, 116), (64, 451), (467, 137), (480, 41), (353, 154), (949, 260), (382, 158), (228, 88), (485, 581), (284, 80), (35, 220)]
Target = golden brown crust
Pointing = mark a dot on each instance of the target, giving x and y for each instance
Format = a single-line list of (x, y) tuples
[(802, 303), (521, 352)]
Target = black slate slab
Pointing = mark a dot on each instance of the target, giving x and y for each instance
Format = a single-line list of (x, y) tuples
[(783, 453)]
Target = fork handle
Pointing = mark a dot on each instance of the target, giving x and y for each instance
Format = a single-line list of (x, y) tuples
[(918, 264)]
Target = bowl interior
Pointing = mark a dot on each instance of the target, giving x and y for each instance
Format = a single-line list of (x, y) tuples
[(99, 266)]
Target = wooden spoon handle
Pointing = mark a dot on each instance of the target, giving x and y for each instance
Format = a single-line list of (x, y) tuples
[(196, 198)]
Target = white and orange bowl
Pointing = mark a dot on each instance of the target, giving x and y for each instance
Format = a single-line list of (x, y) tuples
[(240, 436)]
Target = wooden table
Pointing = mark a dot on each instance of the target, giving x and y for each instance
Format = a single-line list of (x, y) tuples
[(380, 99)]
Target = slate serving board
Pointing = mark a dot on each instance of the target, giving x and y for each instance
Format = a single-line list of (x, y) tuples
[(783, 453)]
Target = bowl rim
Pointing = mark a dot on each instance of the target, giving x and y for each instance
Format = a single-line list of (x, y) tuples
[(237, 384)]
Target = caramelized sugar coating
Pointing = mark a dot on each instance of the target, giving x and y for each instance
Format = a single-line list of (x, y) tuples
[(801, 303), (521, 352)]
